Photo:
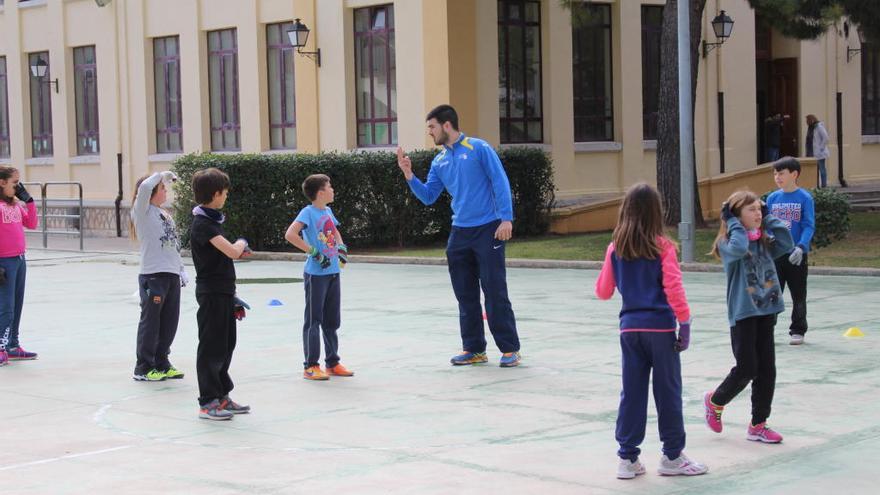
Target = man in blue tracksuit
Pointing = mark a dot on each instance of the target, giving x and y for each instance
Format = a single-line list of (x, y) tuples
[(482, 216)]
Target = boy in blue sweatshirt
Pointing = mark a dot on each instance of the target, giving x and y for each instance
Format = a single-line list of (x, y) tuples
[(794, 206), (482, 221)]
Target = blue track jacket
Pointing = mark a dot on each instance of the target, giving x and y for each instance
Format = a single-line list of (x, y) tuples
[(472, 173)]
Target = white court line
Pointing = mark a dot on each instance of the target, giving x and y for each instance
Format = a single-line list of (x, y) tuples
[(64, 457)]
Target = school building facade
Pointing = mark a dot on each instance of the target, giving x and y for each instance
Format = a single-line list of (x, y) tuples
[(154, 79)]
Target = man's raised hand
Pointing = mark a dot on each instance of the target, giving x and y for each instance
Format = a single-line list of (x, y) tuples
[(404, 163)]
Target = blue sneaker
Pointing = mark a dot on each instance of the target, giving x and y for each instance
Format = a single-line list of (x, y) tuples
[(510, 359), (469, 358)]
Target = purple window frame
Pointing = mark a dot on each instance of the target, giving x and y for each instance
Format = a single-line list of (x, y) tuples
[(165, 65), (229, 120), (593, 85), (870, 89), (41, 112), (282, 51), (86, 77), (372, 121), (4, 114), (651, 31), (530, 115)]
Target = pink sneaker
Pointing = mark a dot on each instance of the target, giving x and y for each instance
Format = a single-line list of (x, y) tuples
[(713, 413), (761, 433), (4, 357), (19, 354)]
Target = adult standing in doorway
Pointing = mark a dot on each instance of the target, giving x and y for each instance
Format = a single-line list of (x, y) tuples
[(817, 146), (772, 136), (482, 221)]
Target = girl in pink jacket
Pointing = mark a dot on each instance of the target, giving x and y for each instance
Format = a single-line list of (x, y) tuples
[(17, 211)]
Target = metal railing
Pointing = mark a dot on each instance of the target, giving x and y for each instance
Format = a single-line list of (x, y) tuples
[(46, 202)]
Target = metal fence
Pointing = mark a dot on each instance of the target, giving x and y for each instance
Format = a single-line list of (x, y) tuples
[(62, 218)]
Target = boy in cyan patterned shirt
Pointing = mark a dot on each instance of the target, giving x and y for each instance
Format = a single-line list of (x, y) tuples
[(314, 232)]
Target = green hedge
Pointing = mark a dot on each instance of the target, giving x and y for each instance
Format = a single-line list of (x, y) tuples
[(373, 203), (832, 216)]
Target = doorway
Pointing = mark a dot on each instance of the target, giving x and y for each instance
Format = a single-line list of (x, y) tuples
[(776, 93)]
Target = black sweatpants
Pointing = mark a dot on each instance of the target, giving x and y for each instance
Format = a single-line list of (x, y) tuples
[(796, 278), (217, 335), (753, 348), (160, 311)]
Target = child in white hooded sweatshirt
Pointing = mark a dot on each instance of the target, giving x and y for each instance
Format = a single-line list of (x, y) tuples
[(160, 279)]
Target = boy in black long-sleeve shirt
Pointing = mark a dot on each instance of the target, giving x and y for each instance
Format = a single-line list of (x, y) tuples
[(215, 292)]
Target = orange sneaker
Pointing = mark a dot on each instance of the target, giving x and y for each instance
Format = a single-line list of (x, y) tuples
[(339, 370), (315, 373)]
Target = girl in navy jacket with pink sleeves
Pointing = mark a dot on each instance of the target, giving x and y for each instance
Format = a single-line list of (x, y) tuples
[(642, 264)]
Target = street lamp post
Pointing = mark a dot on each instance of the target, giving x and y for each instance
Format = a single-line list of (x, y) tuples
[(686, 133)]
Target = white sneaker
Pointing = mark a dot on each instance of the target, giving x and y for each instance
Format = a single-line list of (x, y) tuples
[(628, 470), (796, 339), (681, 466)]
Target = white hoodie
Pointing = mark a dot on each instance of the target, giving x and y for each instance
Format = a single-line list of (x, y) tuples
[(160, 245), (820, 141)]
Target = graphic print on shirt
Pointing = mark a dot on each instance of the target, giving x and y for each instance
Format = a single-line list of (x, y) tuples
[(763, 287), (11, 213), (169, 233), (787, 212), (327, 235)]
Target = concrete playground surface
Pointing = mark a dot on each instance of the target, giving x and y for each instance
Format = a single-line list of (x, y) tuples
[(75, 422)]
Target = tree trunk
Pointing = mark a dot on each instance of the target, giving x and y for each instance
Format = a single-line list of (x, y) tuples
[(668, 138)]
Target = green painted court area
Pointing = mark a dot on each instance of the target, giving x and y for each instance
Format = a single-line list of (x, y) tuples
[(75, 422)]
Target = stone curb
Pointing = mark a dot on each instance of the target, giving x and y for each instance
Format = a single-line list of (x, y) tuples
[(529, 263)]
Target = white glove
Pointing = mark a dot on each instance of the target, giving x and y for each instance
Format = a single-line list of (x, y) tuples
[(796, 256), (168, 177), (184, 279)]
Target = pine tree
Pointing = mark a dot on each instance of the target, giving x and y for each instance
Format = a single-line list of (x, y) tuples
[(810, 19), (668, 137)]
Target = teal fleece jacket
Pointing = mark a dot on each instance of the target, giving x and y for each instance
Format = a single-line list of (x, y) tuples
[(752, 284)]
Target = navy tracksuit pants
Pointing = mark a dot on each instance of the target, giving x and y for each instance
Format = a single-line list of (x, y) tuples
[(642, 353), (476, 260), (11, 299), (322, 318)]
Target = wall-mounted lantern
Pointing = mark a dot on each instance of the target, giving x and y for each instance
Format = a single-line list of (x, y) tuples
[(722, 24), (299, 35), (40, 69), (851, 52)]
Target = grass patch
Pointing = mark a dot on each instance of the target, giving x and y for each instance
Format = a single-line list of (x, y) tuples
[(861, 248)]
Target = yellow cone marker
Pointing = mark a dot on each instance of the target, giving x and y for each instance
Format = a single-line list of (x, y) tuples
[(853, 332)]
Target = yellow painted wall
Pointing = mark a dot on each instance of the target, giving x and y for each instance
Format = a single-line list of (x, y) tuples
[(446, 52)]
